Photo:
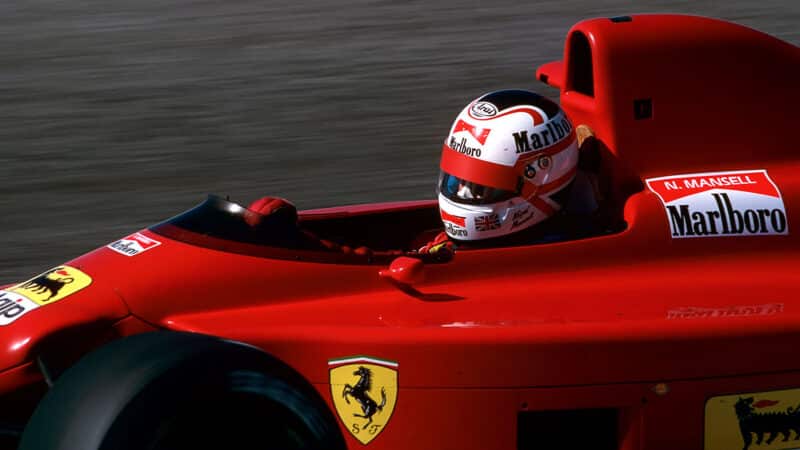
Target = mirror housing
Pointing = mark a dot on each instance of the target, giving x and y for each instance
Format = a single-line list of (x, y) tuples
[(551, 74), (404, 270)]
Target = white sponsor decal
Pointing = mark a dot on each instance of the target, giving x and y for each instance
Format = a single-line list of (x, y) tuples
[(134, 244), (738, 203), (483, 109), (454, 230), (13, 306)]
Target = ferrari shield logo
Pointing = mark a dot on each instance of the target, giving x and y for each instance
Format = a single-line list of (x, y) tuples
[(754, 421), (53, 285), (364, 392)]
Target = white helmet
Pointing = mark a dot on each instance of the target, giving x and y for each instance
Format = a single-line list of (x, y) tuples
[(506, 165)]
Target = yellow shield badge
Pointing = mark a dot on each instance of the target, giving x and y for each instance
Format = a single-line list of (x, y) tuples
[(364, 391), (53, 285), (754, 421)]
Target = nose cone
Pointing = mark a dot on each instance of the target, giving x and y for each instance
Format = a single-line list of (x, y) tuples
[(66, 297)]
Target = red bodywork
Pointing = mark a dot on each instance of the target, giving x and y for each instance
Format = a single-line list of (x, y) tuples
[(634, 321)]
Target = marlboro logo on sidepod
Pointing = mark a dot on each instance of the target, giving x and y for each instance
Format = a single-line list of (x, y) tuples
[(737, 203)]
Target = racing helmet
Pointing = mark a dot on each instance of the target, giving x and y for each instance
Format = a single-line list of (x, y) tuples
[(506, 165)]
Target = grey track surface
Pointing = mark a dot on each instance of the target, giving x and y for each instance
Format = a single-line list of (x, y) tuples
[(118, 114)]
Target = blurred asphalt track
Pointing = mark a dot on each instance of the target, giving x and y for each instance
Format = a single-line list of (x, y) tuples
[(117, 114)]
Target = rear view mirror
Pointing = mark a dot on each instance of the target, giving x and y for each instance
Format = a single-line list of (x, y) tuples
[(405, 270)]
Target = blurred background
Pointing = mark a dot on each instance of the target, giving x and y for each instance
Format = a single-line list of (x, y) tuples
[(117, 114)]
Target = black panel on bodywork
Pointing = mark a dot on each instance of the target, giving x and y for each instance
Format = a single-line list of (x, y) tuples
[(595, 429)]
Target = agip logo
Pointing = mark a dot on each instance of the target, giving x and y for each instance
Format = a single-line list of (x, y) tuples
[(738, 203), (364, 392), (13, 306), (42, 290), (53, 285), (753, 421)]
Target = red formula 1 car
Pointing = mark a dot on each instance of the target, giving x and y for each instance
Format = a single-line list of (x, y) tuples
[(676, 329)]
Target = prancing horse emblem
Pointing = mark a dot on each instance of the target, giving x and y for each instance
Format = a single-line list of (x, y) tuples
[(360, 392), (364, 392)]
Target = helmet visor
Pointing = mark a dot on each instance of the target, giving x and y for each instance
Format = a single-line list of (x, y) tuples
[(467, 192)]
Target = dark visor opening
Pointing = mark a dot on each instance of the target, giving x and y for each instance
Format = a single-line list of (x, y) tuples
[(467, 192)]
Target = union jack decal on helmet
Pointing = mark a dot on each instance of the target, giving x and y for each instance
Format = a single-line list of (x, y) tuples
[(486, 223)]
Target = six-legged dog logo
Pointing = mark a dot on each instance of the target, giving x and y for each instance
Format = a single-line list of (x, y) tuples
[(44, 283), (53, 285), (753, 421), (775, 423), (364, 392)]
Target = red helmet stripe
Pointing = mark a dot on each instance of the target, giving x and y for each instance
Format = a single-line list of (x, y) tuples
[(460, 221), (535, 116), (479, 171), (530, 190), (561, 146), (547, 188), (497, 175), (542, 206), (550, 151), (557, 183)]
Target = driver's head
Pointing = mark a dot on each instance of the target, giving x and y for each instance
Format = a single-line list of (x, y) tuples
[(508, 155)]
